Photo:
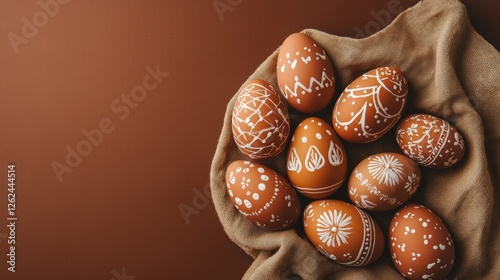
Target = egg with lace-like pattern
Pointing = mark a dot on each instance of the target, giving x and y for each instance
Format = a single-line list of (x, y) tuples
[(260, 121)]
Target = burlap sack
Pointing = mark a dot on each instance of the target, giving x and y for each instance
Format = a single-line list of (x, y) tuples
[(454, 74)]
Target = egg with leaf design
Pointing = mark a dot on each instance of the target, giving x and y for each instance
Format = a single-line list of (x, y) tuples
[(316, 161)]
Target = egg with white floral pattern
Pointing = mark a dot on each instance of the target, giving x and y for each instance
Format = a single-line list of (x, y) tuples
[(262, 195), (371, 105), (343, 232), (316, 161), (430, 141), (383, 181), (421, 246)]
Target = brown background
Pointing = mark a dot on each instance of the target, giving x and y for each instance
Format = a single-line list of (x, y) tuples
[(119, 208)]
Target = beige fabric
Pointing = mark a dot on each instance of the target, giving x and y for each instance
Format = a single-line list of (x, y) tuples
[(454, 74)]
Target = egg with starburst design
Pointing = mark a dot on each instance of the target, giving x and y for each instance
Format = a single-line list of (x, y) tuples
[(383, 181)]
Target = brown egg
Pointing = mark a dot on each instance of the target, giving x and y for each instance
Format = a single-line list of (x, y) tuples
[(316, 162), (383, 181), (305, 74), (343, 232), (420, 245), (262, 195), (260, 121), (370, 105), (430, 141)]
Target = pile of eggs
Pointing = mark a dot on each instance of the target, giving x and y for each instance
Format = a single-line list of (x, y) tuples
[(419, 243)]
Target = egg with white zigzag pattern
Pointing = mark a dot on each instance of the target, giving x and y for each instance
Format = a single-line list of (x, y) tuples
[(305, 74)]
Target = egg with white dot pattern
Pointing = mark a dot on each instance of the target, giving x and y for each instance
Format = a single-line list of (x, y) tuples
[(262, 195), (420, 245), (371, 105), (316, 160)]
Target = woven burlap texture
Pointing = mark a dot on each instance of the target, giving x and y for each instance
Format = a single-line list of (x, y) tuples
[(454, 74)]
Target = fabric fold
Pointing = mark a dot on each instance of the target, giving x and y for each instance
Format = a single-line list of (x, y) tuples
[(453, 74)]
